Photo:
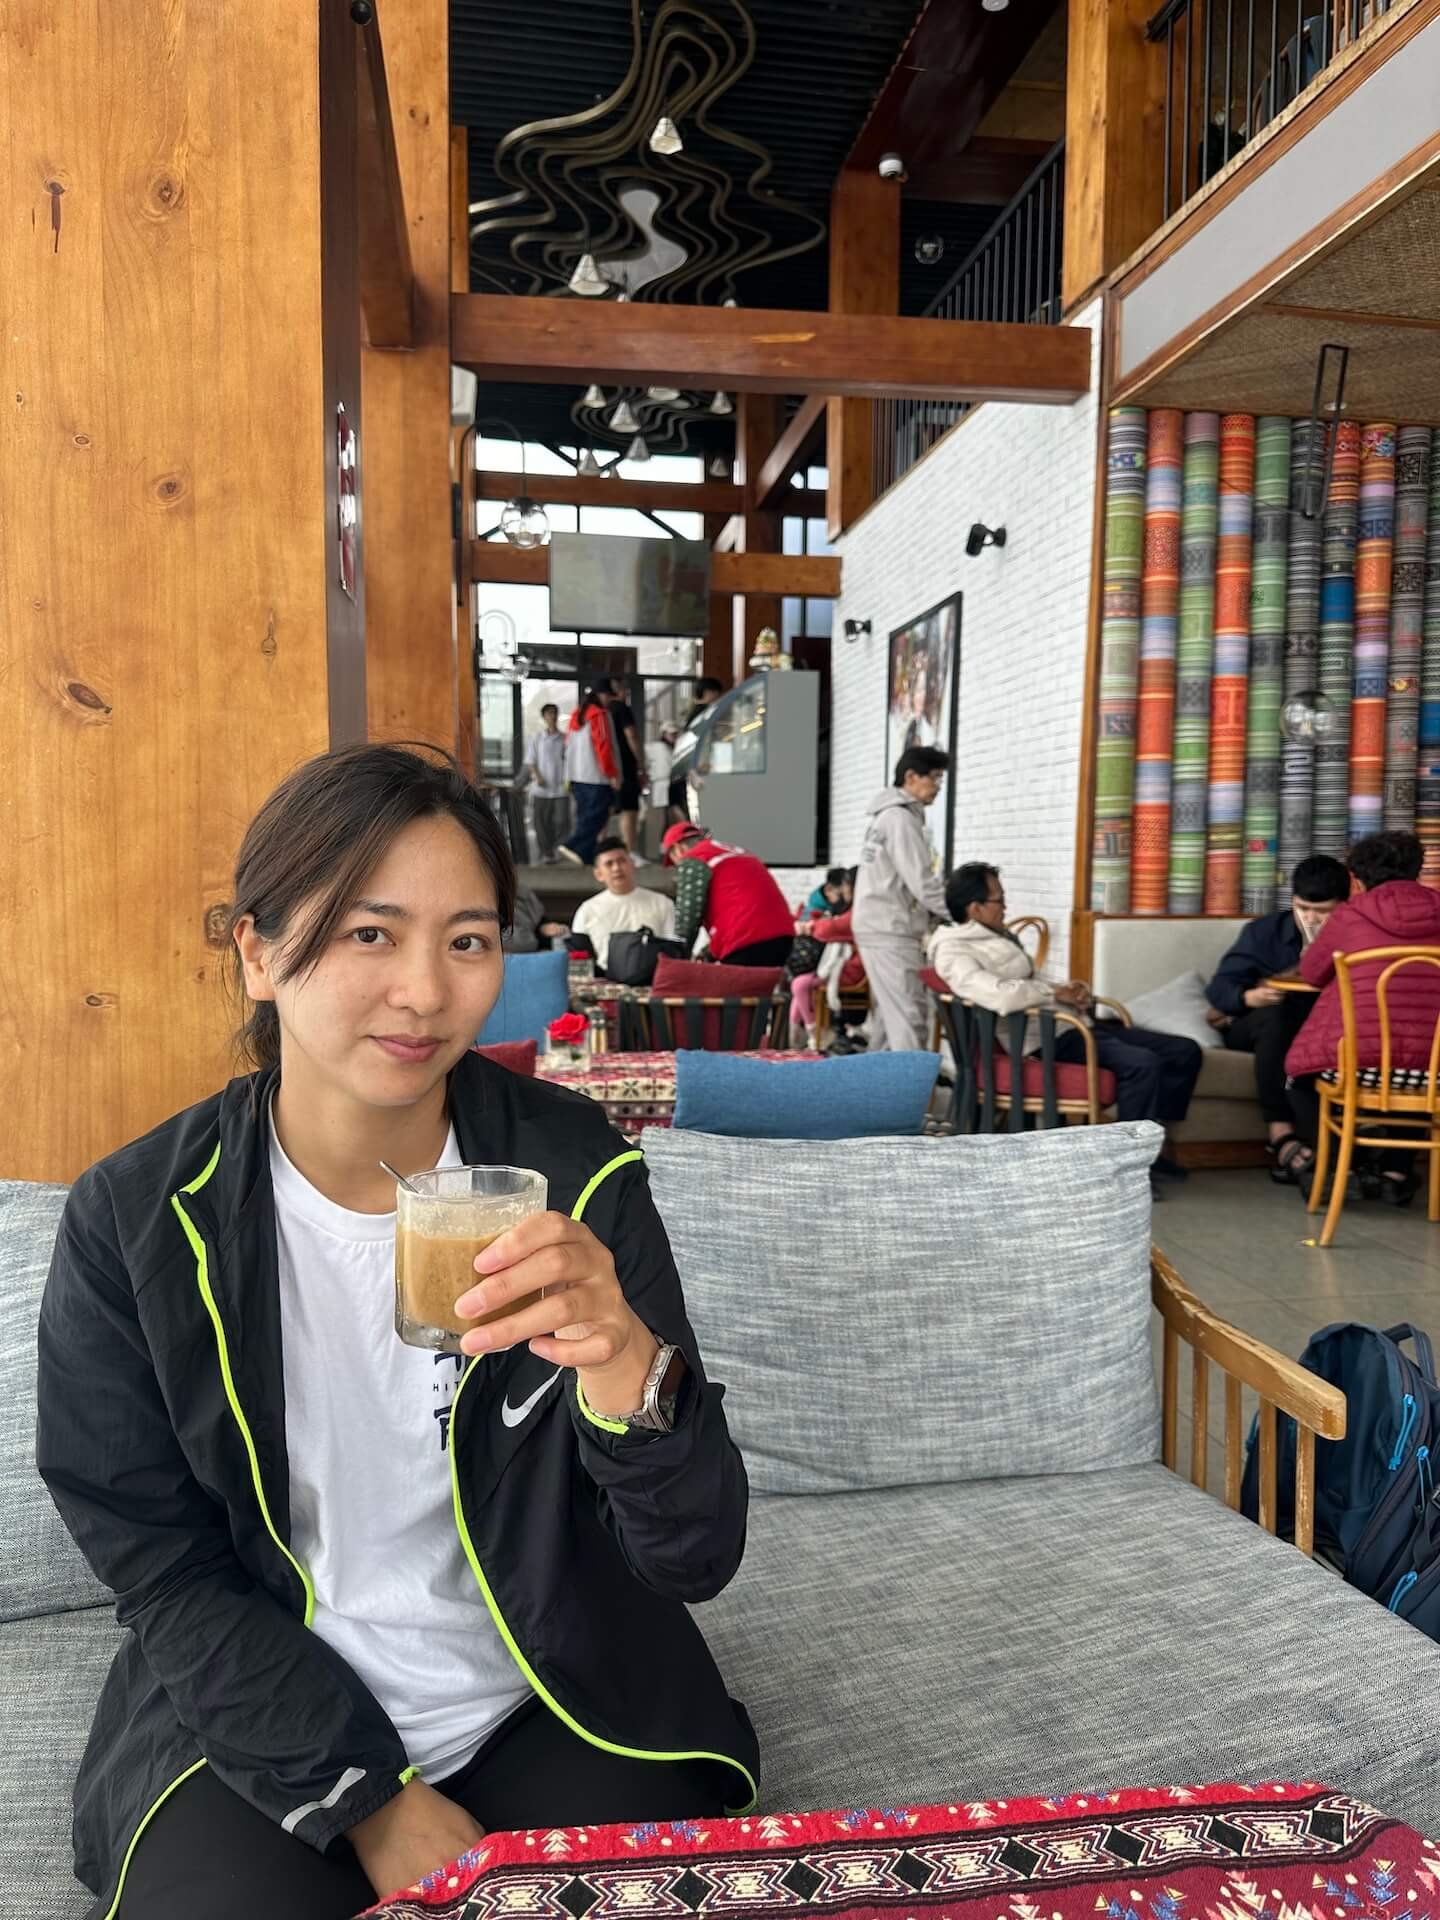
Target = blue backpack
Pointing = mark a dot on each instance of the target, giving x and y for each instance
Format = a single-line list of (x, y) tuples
[(1376, 1515)]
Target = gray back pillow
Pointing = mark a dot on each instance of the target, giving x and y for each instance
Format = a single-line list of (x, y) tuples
[(897, 1312), (41, 1568)]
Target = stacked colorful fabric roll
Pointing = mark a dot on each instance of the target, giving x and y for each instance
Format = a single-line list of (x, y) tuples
[(1267, 660), (1407, 617), (1119, 660), (1195, 646), (1330, 831), (1159, 607), (1375, 534), (1302, 623), (1224, 827), (1427, 770)]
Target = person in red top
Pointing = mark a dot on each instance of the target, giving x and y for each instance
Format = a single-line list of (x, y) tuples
[(1388, 908), (592, 766), (732, 895)]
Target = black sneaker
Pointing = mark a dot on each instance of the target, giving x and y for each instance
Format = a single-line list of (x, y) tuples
[(1167, 1169)]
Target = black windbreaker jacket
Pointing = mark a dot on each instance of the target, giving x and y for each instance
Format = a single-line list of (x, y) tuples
[(162, 1440)]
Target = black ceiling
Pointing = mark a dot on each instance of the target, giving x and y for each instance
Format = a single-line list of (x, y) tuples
[(817, 68)]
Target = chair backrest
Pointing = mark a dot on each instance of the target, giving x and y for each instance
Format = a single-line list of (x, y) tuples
[(1391, 963), (1033, 924), (974, 1036), (736, 1023), (535, 991)]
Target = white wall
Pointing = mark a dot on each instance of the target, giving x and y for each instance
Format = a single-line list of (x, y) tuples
[(1022, 639)]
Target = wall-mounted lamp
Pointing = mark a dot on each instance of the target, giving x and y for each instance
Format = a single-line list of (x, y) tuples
[(980, 536), (855, 629)]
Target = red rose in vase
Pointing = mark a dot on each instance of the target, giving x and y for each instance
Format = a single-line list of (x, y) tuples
[(569, 1030)]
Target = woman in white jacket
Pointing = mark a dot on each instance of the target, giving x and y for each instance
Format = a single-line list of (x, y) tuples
[(1155, 1073)]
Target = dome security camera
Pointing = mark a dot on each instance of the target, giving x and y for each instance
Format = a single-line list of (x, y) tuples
[(892, 167), (930, 249)]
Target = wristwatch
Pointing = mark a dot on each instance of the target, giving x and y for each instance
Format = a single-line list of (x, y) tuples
[(656, 1413)]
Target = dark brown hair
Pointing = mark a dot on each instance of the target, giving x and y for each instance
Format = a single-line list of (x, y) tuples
[(322, 830)]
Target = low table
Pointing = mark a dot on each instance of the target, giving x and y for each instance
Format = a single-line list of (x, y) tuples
[(1170, 1853), (636, 1089)]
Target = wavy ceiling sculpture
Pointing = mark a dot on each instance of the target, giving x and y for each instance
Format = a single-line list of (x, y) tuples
[(683, 227)]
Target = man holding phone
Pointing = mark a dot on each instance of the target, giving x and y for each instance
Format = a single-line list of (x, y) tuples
[(1262, 1020)]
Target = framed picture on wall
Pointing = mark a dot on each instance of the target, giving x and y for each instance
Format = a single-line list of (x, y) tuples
[(920, 706)]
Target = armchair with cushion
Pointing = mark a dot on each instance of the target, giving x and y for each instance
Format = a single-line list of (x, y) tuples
[(535, 991), (708, 1007)]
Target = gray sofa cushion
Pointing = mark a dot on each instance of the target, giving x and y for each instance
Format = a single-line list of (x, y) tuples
[(1068, 1635), (53, 1672), (41, 1568), (901, 1312)]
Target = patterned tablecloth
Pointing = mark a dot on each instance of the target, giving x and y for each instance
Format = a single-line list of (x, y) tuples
[(636, 1089), (1291, 1852)]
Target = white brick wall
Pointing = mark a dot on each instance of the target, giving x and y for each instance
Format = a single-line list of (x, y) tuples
[(1022, 639)]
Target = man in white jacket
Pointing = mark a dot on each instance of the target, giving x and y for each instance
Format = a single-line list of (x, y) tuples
[(1155, 1073), (898, 894)]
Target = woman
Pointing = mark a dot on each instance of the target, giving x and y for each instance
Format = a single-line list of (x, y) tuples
[(379, 1600), (592, 766)]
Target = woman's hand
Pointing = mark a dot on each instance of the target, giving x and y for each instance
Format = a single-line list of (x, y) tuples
[(583, 1319), (412, 1834)]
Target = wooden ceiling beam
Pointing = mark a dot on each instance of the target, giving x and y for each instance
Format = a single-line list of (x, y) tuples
[(581, 490), (791, 452), (763, 350), (815, 576), (387, 275)]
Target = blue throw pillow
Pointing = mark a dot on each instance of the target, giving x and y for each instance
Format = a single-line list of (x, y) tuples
[(536, 991), (841, 1099)]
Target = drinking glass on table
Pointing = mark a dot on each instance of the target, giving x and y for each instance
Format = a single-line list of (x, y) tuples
[(443, 1220)]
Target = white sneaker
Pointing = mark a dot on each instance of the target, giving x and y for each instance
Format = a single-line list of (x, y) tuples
[(569, 853)]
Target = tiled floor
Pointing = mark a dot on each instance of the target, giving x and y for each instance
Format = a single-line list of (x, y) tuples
[(1239, 1243)]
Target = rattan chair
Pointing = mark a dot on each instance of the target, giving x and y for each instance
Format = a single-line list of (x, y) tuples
[(745, 1023), (1040, 927), (1345, 1101)]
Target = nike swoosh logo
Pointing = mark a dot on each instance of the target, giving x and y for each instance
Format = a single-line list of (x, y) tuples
[(512, 1416)]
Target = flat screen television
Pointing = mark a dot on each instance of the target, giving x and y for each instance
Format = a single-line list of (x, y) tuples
[(610, 583)]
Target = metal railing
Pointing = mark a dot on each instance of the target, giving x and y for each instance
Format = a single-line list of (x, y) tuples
[(1012, 274), (1232, 65)]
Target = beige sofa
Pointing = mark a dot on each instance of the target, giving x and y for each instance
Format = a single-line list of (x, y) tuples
[(1224, 1126)]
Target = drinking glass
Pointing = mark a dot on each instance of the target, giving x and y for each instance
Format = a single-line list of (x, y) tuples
[(452, 1214)]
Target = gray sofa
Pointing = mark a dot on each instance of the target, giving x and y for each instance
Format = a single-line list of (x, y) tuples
[(968, 1576)]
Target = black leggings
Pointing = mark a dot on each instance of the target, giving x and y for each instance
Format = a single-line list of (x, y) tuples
[(209, 1852)]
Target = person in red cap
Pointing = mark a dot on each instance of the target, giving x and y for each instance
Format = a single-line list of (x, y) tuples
[(732, 895)]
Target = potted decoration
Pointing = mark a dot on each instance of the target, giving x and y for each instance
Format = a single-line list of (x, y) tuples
[(568, 1036)]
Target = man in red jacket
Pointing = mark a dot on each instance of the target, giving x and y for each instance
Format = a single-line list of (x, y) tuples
[(1388, 908), (732, 895)]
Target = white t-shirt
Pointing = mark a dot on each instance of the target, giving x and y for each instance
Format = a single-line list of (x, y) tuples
[(606, 913), (367, 1424)]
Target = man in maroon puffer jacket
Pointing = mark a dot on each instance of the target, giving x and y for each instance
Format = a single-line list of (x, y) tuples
[(1389, 908)]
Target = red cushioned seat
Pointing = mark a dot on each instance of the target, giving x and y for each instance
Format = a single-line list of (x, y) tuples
[(518, 1056), (1071, 1082), (712, 980)]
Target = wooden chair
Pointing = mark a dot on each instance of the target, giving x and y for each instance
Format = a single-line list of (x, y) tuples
[(1032, 923), (1345, 1101), (1054, 1093), (852, 1000), (736, 1024), (1317, 1408)]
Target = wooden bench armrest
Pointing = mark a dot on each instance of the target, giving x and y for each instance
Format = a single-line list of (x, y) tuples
[(1283, 1386)]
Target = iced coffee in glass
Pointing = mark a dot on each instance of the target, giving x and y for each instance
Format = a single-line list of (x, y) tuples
[(452, 1215)]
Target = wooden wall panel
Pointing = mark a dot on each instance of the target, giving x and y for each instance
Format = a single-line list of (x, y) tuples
[(163, 572), (1114, 140), (411, 664)]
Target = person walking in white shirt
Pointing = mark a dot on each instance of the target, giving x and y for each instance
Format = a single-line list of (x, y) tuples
[(623, 906), (544, 768)]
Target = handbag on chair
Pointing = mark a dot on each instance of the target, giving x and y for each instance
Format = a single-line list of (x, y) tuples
[(633, 956)]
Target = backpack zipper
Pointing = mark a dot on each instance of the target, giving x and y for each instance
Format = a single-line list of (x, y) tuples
[(1402, 1439), (1415, 1423)]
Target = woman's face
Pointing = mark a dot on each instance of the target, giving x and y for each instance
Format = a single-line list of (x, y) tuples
[(406, 982)]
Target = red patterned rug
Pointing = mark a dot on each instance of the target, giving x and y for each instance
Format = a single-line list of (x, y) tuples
[(1291, 1852)]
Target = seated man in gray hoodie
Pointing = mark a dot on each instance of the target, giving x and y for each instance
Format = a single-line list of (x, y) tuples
[(898, 894)]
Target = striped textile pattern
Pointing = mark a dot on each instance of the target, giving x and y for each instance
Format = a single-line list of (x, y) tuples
[(1427, 771), (1224, 827), (1267, 663), (1329, 833), (1375, 537), (1159, 610), (1302, 623), (1407, 617), (1195, 645), (1119, 660)]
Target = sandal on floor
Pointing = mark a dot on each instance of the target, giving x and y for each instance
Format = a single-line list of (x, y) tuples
[(1290, 1160)]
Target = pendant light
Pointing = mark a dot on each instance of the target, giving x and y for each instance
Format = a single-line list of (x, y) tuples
[(587, 279), (589, 467), (663, 394), (729, 301), (593, 396), (637, 449), (722, 405), (623, 418), (524, 523), (719, 468), (665, 136)]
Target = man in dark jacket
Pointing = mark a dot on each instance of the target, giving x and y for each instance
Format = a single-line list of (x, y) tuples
[(1263, 1020)]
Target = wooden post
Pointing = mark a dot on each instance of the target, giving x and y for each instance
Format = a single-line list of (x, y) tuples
[(757, 427), (717, 656), (413, 683), (864, 278), (462, 469), (1114, 140), (179, 300)]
